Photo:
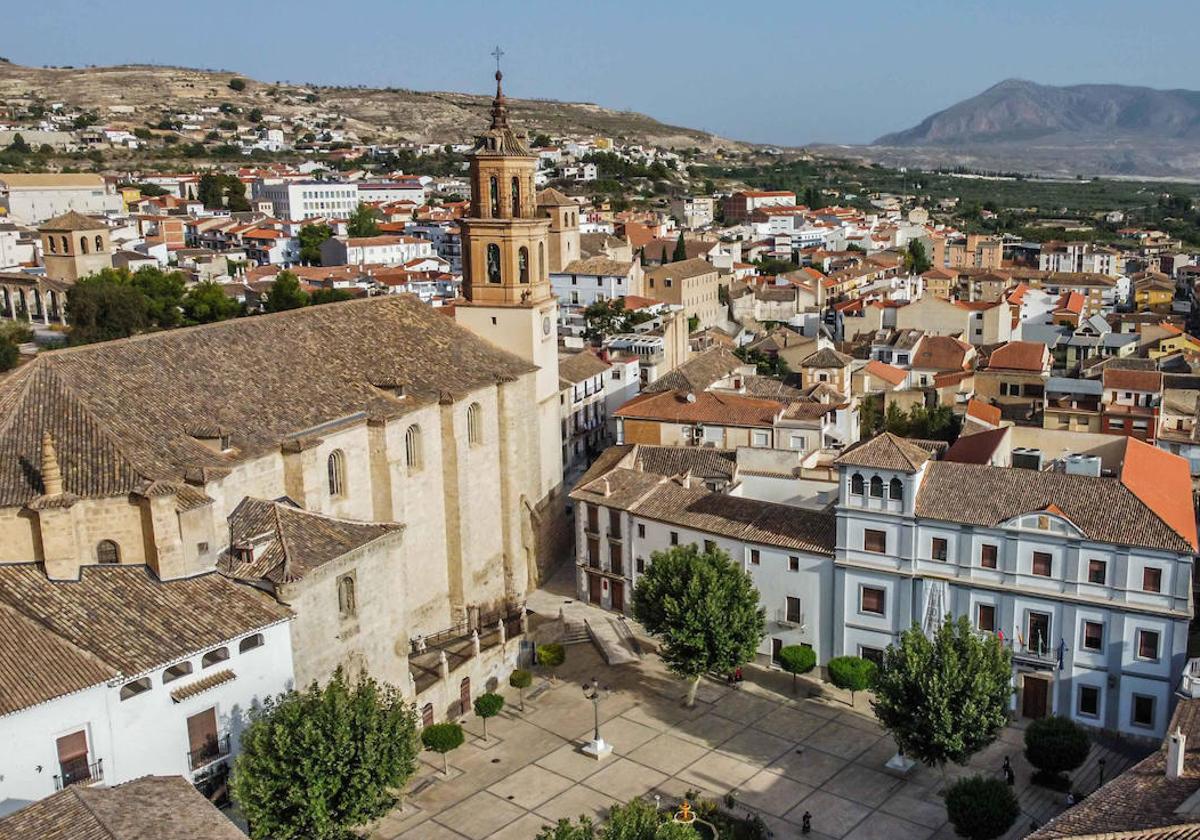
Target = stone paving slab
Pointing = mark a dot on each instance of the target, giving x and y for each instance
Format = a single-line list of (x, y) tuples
[(576, 801), (754, 746), (915, 809), (568, 761), (530, 786), (810, 766), (668, 753), (771, 793), (832, 815), (862, 784), (717, 772), (624, 780), (478, 816), (881, 826)]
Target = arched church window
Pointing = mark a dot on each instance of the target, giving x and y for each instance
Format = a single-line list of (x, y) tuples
[(337, 472), (347, 600), (494, 193), (896, 490), (877, 487), (516, 197), (108, 551), (412, 447), (856, 484), (83, 249), (523, 263), (66, 245), (53, 244), (474, 424), (99, 244), (493, 263)]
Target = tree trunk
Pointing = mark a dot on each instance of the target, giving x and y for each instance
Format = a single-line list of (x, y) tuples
[(485, 729), (691, 695), (445, 764), (521, 694), (793, 683)]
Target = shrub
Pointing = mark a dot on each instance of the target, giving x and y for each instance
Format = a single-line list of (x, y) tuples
[(520, 680), (9, 355), (551, 656), (16, 332), (1056, 745), (486, 706), (442, 738), (797, 659), (237, 84), (851, 673), (981, 807)]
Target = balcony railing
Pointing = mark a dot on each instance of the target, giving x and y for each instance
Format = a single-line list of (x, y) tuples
[(79, 772), (783, 619), (214, 750)]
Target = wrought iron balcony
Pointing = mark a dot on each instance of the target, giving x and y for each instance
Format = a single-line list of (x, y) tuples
[(78, 772), (214, 750)]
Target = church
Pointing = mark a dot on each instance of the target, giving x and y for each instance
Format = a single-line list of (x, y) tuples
[(387, 475)]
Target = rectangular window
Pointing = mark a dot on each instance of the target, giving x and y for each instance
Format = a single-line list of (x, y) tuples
[(793, 564), (1089, 701), (871, 654), (641, 530), (755, 558), (1093, 635), (875, 541), (593, 550), (614, 524), (1147, 646), (593, 519), (939, 549), (1097, 571), (872, 600), (793, 610), (1151, 580), (1143, 710), (641, 564), (1041, 564), (988, 554), (674, 538), (986, 617), (710, 546), (760, 439)]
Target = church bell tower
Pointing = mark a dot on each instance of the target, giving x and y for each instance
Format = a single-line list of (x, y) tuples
[(506, 280)]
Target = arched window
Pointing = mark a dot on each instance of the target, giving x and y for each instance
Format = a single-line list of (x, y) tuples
[(856, 484), (53, 244), (99, 244), (337, 473), (494, 192), (541, 264), (427, 715), (523, 263), (133, 689), (180, 669), (896, 490), (474, 424), (108, 551), (83, 245), (347, 601), (412, 447), (214, 656), (66, 245), (250, 643), (516, 197), (493, 263), (877, 487)]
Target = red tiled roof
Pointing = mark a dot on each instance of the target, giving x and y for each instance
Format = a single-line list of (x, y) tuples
[(983, 412), (886, 372), (1019, 355), (1133, 380), (977, 448), (1163, 482), (703, 407)]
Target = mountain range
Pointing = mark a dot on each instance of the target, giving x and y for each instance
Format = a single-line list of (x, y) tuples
[(1076, 130)]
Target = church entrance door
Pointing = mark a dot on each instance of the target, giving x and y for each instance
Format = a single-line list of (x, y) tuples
[(618, 596)]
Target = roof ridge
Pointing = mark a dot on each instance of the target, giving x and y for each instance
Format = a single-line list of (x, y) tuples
[(79, 797), (31, 618)]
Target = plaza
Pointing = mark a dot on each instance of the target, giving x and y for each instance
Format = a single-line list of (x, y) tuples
[(780, 755)]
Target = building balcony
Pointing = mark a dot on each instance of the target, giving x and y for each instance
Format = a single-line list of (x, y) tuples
[(795, 621), (212, 751), (79, 771)]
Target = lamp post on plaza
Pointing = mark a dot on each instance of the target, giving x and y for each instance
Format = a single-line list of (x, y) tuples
[(597, 748)]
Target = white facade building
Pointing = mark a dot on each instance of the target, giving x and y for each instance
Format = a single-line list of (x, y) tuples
[(583, 282), (309, 199), (376, 250)]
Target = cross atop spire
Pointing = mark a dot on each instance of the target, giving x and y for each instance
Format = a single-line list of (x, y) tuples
[(498, 54), (499, 111)]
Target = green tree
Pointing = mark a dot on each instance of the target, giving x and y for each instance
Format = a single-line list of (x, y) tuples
[(703, 608), (565, 829), (255, 115), (797, 659), (603, 317), (635, 820), (206, 302), (211, 191), (944, 699), (19, 145), (981, 807), (163, 291), (680, 249), (520, 679), (916, 260), (1056, 745), (9, 354), (486, 706), (237, 84), (850, 673), (541, 141), (311, 237), (551, 656), (664, 255), (329, 296), (693, 323), (321, 762), (285, 293), (442, 738), (362, 222), (104, 306)]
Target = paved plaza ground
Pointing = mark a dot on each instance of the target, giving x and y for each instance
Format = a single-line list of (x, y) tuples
[(780, 754)]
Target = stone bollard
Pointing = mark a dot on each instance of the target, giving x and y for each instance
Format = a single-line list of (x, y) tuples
[(475, 642)]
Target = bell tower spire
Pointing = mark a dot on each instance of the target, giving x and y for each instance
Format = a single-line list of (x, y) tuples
[(499, 107)]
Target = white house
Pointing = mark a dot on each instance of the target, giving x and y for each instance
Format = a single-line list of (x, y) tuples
[(377, 250), (583, 282), (119, 675)]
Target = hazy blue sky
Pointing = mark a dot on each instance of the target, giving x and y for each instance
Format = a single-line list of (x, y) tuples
[(779, 71)]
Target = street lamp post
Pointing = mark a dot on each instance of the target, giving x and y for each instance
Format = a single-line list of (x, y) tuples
[(597, 748)]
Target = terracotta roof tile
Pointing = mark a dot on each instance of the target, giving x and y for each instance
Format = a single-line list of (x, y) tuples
[(885, 451), (886, 372), (704, 407), (1019, 355)]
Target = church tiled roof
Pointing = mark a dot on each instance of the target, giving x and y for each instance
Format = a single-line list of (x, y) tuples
[(886, 452), (124, 413)]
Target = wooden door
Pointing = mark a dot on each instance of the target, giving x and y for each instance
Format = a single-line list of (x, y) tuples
[(776, 646), (1035, 696), (618, 595), (594, 589), (464, 696)]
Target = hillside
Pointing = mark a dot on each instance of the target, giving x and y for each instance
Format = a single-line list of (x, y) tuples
[(1081, 129), (374, 114)]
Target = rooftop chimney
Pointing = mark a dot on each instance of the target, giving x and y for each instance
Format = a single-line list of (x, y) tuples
[(52, 484), (1176, 748)]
